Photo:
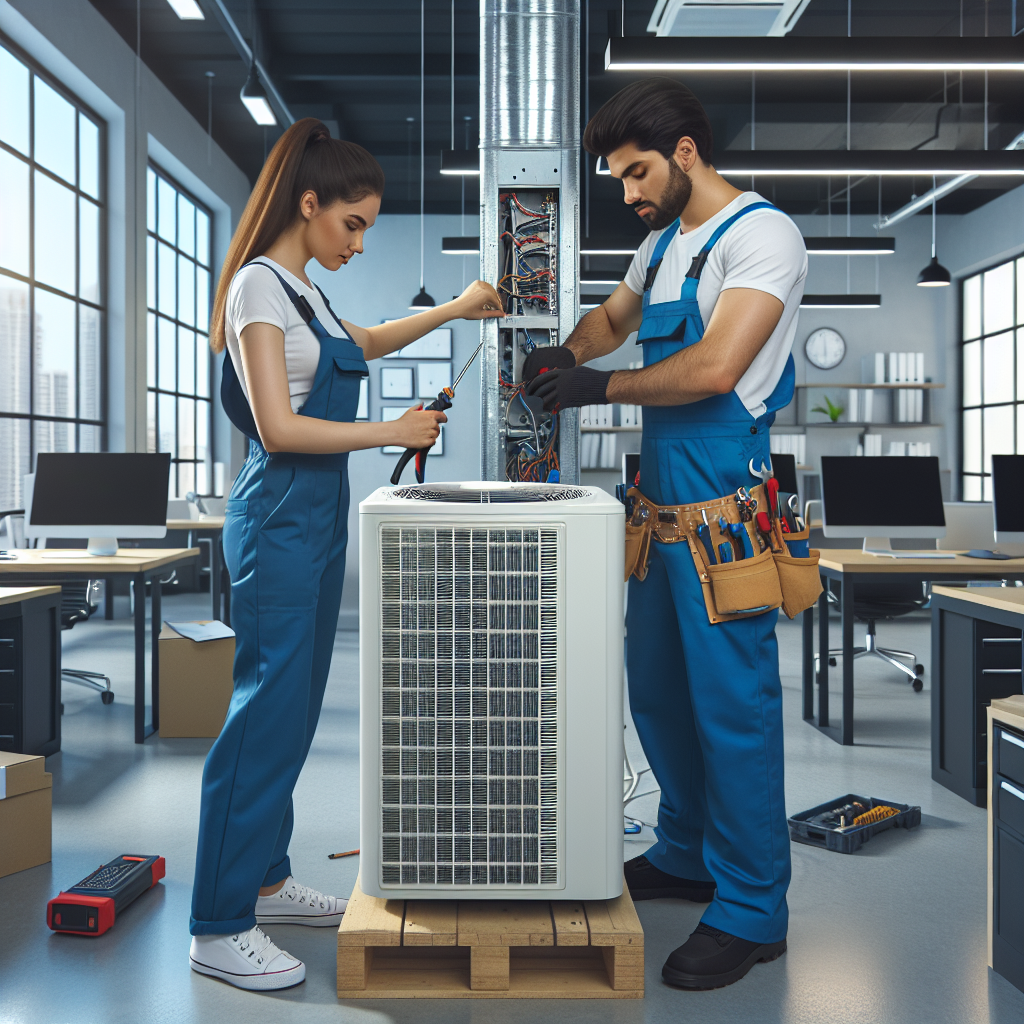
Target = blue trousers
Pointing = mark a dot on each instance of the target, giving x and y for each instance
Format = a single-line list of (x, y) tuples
[(285, 532), (707, 704)]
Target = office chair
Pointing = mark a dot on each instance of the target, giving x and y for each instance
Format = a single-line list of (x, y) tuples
[(886, 600), (76, 605)]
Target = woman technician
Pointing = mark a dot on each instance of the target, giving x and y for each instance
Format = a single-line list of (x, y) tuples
[(291, 383)]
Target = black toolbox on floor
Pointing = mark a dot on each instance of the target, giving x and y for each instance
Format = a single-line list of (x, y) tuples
[(823, 826)]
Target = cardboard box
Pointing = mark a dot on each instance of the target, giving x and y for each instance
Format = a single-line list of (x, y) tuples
[(196, 683), (26, 805)]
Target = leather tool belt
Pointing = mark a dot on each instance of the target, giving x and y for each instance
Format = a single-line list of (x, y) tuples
[(772, 578)]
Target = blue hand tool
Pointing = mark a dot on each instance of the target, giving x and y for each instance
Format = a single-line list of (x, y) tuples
[(704, 535), (739, 531), (725, 552)]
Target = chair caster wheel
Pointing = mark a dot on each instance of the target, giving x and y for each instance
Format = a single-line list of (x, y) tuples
[(832, 662), (919, 669), (107, 696), (918, 685)]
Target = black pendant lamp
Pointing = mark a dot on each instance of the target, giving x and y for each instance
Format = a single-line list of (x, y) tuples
[(935, 275), (422, 300)]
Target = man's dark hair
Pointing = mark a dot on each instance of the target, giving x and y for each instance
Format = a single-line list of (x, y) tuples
[(654, 113)]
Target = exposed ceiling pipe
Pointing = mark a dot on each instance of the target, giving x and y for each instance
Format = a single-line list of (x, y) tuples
[(242, 49), (935, 194)]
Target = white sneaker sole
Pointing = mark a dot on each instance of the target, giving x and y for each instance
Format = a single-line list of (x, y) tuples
[(255, 982), (325, 921)]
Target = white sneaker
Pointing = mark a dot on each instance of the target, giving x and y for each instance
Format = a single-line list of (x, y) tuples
[(298, 904), (247, 960)]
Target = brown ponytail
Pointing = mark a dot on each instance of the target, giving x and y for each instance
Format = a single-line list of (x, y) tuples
[(304, 159)]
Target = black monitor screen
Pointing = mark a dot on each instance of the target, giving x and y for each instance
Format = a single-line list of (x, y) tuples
[(100, 489), (1008, 492), (893, 490), (784, 468)]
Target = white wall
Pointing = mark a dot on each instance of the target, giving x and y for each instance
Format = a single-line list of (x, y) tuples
[(78, 47), (379, 285)]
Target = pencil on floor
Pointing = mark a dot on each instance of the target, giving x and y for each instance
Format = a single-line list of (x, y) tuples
[(347, 853)]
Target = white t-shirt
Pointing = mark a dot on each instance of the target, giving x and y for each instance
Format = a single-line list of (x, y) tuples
[(763, 250), (256, 296)]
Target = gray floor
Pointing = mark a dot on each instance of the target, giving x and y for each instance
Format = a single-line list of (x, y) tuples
[(895, 933)]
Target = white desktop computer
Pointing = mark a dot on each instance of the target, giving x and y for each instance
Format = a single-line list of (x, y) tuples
[(97, 496), (880, 498)]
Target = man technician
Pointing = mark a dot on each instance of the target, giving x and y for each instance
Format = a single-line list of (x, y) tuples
[(714, 293)]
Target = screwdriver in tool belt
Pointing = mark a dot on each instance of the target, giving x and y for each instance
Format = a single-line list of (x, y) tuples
[(440, 404), (739, 532), (704, 534), (764, 529)]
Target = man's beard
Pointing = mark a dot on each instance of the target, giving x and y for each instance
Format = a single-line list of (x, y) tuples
[(672, 201)]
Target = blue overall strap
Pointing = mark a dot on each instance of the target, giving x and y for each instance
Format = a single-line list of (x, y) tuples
[(660, 248), (697, 265)]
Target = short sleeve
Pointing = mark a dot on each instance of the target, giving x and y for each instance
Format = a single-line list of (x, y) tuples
[(765, 252), (637, 273), (256, 296)]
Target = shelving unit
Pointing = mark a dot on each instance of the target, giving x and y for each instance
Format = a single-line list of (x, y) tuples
[(925, 385)]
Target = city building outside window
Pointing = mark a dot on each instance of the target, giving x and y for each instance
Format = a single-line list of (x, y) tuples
[(52, 226), (179, 409), (992, 374)]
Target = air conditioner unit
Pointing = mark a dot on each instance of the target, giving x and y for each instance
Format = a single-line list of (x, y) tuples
[(491, 662)]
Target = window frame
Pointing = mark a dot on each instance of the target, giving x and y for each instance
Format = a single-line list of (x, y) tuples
[(82, 109), (1017, 402), (203, 330)]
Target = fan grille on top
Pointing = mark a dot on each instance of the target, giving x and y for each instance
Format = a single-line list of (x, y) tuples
[(491, 495)]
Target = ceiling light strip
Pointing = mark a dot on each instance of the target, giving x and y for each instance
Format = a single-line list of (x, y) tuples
[(806, 53)]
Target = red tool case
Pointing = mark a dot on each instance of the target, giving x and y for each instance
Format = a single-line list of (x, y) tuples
[(91, 906)]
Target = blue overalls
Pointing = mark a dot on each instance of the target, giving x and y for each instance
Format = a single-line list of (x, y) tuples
[(707, 699), (285, 531)]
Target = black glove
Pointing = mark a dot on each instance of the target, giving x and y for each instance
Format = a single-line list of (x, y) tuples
[(550, 357), (569, 389)]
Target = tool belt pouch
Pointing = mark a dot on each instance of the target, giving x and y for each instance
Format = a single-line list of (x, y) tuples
[(638, 547), (734, 590), (799, 577)]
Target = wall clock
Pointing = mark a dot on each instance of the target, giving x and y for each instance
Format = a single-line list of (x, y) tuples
[(825, 348)]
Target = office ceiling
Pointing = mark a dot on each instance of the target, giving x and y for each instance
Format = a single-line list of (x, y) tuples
[(356, 65)]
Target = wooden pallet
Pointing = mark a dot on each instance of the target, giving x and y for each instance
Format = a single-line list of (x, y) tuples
[(490, 949)]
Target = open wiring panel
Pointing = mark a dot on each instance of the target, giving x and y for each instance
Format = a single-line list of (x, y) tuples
[(528, 285)]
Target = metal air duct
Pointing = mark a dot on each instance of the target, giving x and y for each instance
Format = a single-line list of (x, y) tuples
[(529, 223)]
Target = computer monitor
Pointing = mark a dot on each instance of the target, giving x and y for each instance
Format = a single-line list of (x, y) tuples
[(784, 468), (99, 496), (880, 498), (1008, 498)]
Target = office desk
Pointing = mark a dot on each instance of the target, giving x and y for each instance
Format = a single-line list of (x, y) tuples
[(211, 527), (30, 670), (976, 659), (854, 566), (140, 564)]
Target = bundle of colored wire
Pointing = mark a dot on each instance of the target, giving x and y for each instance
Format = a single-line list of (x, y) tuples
[(879, 813)]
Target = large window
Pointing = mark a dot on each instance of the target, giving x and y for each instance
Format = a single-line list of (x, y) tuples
[(992, 374), (51, 291), (179, 365)]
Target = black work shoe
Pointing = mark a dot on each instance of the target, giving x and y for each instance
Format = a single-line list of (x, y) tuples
[(711, 958), (646, 882)]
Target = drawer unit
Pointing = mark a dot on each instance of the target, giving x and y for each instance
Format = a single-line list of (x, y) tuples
[(30, 672), (1010, 755), (1006, 840), (1010, 805)]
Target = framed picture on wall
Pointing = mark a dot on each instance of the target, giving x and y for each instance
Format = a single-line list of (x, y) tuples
[(435, 345), (393, 412), (431, 378), (363, 409), (396, 382)]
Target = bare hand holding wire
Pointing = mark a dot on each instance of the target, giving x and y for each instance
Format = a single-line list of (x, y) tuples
[(478, 302)]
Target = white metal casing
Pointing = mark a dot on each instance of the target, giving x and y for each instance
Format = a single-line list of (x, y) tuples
[(588, 695)]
